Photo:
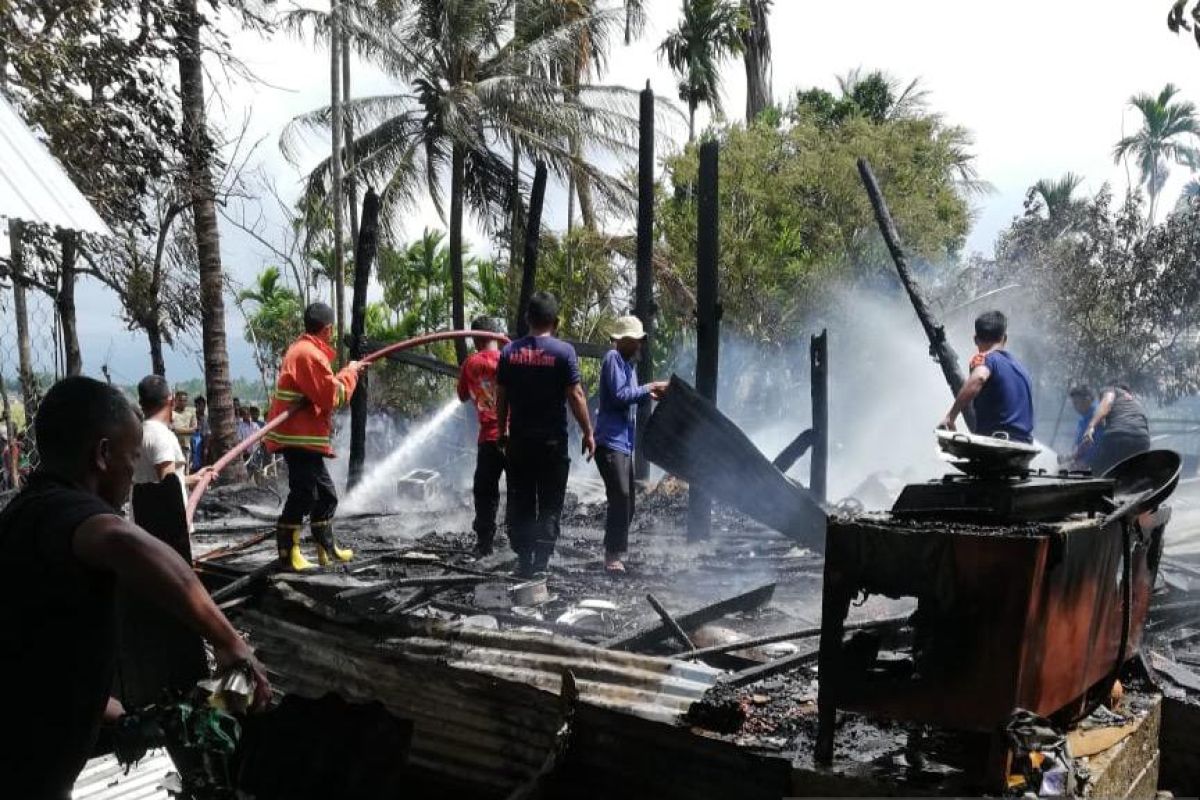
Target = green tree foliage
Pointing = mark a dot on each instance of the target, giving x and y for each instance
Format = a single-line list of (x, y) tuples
[(709, 32), (274, 321), (1058, 198), (795, 222), (1167, 136), (90, 76), (1109, 300), (1177, 18), (466, 86)]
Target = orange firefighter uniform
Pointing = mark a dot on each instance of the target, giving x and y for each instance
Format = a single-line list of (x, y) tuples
[(305, 441)]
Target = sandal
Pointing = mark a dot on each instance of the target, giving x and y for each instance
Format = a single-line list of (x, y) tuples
[(614, 567)]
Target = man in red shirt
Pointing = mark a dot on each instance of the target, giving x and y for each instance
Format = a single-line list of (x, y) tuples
[(477, 383)]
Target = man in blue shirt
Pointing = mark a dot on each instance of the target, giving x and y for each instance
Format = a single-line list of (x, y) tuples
[(999, 387), (1084, 402), (620, 397), (538, 376)]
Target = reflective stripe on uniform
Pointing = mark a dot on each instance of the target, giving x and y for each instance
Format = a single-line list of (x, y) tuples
[(287, 395), (283, 438)]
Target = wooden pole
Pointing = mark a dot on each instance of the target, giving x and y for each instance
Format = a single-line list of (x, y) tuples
[(364, 255), (818, 353), (335, 192), (533, 234), (29, 388), (643, 306), (708, 316), (939, 347)]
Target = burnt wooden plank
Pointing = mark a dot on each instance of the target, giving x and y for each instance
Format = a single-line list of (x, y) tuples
[(656, 632), (687, 436)]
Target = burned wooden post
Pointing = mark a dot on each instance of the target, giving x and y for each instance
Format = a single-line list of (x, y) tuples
[(818, 355), (533, 233), (643, 306), (708, 316), (939, 348), (364, 254)]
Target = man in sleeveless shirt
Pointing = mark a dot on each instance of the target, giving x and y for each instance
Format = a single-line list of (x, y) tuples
[(999, 387)]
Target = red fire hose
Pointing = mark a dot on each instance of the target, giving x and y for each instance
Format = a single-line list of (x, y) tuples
[(249, 442)]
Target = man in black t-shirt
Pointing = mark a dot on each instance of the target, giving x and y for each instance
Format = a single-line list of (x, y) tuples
[(538, 377), (65, 549)]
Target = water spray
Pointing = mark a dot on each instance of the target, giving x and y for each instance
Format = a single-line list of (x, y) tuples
[(371, 486), (250, 441)]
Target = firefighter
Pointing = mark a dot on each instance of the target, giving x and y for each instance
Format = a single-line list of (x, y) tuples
[(304, 440)]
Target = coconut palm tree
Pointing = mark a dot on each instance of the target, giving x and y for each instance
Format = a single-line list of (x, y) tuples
[(709, 32), (198, 154), (882, 97), (468, 88), (1168, 134), (1058, 195), (756, 53)]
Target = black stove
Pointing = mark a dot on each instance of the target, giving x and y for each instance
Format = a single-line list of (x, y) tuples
[(1039, 496)]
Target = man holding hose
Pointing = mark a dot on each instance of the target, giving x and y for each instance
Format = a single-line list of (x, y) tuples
[(305, 439)]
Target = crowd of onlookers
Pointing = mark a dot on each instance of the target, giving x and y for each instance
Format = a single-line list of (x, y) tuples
[(191, 425)]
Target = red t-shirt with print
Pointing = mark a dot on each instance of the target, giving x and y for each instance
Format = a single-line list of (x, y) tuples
[(477, 382)]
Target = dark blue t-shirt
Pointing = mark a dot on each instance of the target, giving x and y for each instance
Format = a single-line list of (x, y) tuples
[(1006, 401), (535, 372)]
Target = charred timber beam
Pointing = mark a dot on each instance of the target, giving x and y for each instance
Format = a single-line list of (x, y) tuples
[(803, 633), (818, 353), (364, 255), (687, 436), (794, 451), (590, 349), (939, 347), (653, 634), (533, 233), (255, 575), (644, 307), (679, 633), (708, 315), (426, 362), (806, 654)]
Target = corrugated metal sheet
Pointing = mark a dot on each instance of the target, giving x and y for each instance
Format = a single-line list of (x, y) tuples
[(484, 704), (33, 185), (104, 779)]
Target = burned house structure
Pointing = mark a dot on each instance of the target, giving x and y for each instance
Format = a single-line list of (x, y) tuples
[(992, 631)]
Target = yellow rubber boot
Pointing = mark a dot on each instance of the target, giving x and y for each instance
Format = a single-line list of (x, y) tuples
[(328, 551), (295, 559)]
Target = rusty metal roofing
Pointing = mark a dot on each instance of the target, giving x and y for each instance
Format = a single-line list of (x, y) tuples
[(104, 779), (34, 187), (483, 703)]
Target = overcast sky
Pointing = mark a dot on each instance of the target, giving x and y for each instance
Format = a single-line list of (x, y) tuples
[(1043, 86)]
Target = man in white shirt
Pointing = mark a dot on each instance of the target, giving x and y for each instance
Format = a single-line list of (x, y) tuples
[(161, 452)]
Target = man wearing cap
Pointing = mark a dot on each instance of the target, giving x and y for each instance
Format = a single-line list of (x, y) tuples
[(537, 379), (477, 383), (620, 397), (304, 439)]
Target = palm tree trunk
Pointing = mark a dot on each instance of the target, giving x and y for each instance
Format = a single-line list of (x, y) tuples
[(198, 155), (351, 187), (457, 299), (514, 233), (691, 121), (154, 334), (755, 55), (335, 193), (583, 187), (64, 303)]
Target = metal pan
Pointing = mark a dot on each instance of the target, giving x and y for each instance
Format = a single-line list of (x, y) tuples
[(1150, 477)]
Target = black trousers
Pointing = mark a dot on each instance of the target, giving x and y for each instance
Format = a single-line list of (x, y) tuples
[(537, 488), (616, 468), (489, 466), (1114, 448), (311, 492)]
